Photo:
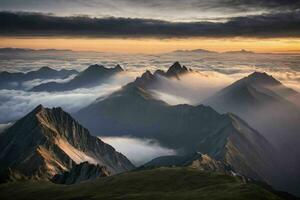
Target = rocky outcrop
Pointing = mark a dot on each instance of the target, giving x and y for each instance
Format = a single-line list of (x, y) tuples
[(81, 172)]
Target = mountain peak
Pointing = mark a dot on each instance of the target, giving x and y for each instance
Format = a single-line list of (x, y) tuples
[(46, 68), (146, 78), (118, 68), (262, 78), (94, 67), (40, 108), (176, 69)]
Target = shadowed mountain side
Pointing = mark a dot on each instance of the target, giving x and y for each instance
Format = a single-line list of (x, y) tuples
[(15, 80), (81, 172), (162, 183), (93, 76), (49, 141), (267, 105)]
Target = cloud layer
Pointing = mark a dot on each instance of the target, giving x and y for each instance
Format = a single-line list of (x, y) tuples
[(139, 151), (154, 9), (279, 24)]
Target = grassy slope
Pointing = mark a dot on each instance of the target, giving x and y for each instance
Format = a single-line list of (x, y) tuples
[(163, 183)]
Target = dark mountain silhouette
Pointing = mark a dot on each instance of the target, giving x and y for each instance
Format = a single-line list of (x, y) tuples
[(203, 51), (225, 137), (152, 81), (242, 51), (27, 50), (93, 76), (176, 70), (47, 142), (10, 80)]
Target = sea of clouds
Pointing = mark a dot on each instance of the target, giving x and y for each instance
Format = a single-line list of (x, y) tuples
[(211, 73)]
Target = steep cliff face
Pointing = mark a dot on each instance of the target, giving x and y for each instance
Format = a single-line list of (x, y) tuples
[(49, 141)]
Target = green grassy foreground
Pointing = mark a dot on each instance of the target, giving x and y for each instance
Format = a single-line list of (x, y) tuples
[(162, 183)]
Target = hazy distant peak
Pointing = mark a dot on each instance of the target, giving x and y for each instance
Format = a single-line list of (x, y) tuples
[(262, 78), (98, 68), (176, 69), (46, 68), (118, 68), (194, 51), (242, 51), (146, 79), (94, 67)]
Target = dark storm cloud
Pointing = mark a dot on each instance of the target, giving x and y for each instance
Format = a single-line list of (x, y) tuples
[(35, 24), (192, 4)]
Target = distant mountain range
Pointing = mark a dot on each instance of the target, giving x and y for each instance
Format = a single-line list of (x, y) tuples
[(93, 76), (204, 51), (10, 80), (26, 50), (47, 142), (242, 51)]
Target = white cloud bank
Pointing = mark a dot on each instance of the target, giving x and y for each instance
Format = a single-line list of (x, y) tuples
[(138, 151)]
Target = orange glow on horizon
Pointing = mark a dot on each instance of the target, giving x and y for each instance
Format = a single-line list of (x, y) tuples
[(149, 46)]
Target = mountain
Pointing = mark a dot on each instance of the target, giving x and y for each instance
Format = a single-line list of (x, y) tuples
[(47, 142), (81, 172), (27, 50), (195, 160), (225, 137), (204, 51), (161, 183), (153, 81), (269, 106), (175, 71), (242, 51), (16, 80), (94, 75)]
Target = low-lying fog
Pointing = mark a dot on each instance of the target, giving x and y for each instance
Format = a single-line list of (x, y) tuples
[(137, 150)]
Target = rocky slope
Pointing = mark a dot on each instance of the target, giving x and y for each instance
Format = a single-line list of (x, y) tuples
[(49, 141), (195, 160), (93, 76), (81, 172)]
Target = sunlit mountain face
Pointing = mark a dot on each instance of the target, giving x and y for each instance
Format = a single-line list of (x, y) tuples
[(152, 99)]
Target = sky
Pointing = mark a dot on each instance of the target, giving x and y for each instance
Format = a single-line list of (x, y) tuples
[(153, 26)]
